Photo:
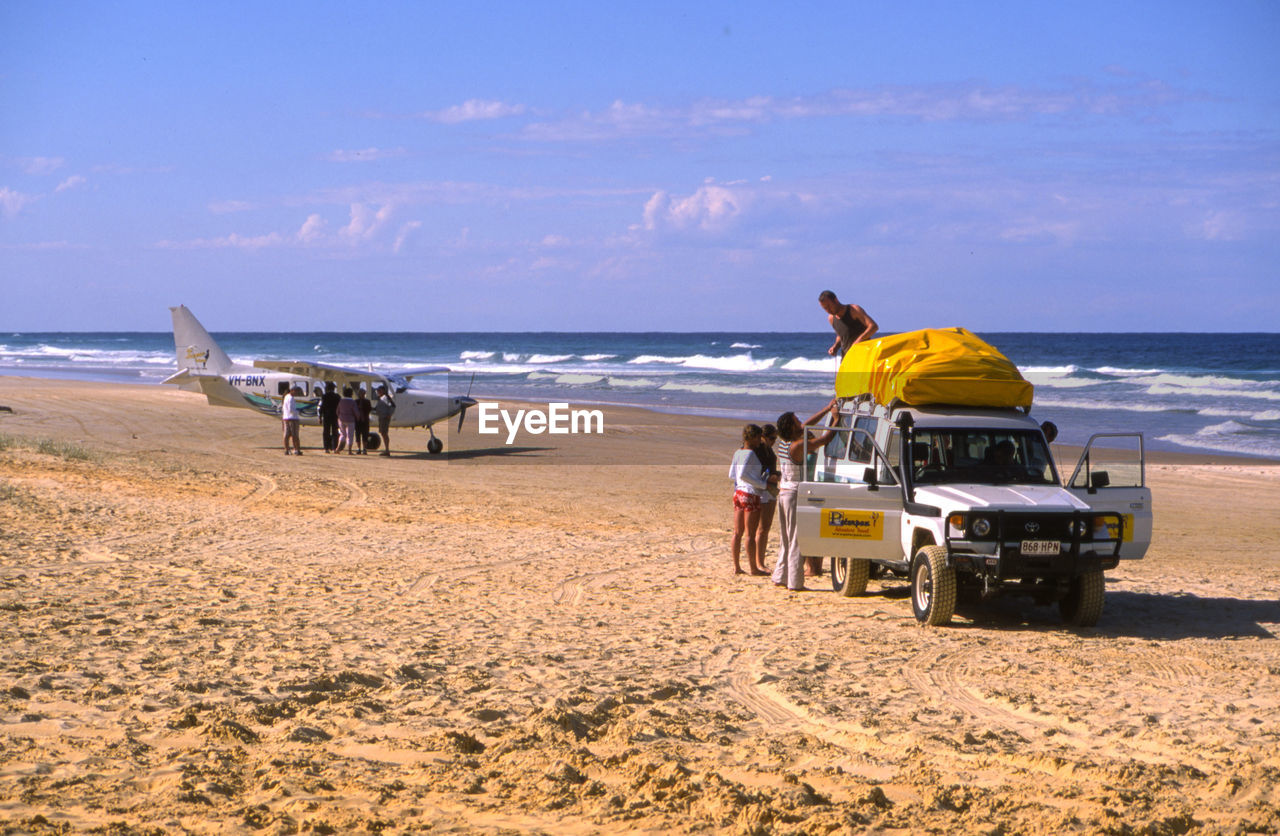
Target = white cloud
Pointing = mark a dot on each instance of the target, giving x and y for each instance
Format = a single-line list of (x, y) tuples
[(365, 222), (312, 229), (972, 102), (403, 235), (12, 201), (41, 165), (365, 155), (70, 183), (473, 110), (233, 241), (710, 209)]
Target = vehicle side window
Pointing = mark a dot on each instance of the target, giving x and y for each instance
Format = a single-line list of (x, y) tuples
[(836, 446), (894, 452), (860, 446)]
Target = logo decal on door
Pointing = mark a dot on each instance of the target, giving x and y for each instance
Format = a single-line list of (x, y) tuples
[(852, 525)]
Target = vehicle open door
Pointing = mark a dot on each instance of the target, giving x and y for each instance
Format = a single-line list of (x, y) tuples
[(1113, 478), (852, 519)]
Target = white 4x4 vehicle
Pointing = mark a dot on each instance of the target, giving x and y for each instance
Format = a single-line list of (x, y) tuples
[(962, 499)]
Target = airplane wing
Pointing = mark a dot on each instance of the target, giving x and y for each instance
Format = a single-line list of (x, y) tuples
[(321, 371), (410, 374)]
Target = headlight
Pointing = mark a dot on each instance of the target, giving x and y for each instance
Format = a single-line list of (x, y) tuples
[(981, 527), (1079, 528)]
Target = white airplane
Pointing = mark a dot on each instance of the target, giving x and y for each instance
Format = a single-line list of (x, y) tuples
[(206, 368)]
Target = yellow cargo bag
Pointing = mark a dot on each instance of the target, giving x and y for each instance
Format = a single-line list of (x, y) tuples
[(932, 366)]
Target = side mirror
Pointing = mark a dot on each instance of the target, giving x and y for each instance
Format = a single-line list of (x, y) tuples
[(870, 476), (1099, 479)]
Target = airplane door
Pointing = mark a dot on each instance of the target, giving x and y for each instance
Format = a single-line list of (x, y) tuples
[(849, 520), (1113, 478)]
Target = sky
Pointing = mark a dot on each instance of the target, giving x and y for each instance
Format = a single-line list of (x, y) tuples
[(628, 166)]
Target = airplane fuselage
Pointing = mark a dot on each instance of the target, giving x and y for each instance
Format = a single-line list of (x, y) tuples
[(264, 392)]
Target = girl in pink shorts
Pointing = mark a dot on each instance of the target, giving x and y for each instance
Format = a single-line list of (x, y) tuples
[(749, 485)]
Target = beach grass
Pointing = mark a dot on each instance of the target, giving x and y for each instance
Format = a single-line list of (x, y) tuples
[(50, 447)]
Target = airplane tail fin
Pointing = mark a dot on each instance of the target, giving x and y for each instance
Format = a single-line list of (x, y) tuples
[(196, 350)]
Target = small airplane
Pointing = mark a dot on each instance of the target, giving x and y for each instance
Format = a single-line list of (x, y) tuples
[(204, 367)]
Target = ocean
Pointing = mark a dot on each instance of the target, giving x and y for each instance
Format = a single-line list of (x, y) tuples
[(1216, 393)]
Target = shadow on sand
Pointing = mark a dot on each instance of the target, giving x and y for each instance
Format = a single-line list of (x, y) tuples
[(1143, 615)]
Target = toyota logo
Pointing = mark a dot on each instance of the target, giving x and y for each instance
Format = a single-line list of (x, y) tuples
[(1032, 527)]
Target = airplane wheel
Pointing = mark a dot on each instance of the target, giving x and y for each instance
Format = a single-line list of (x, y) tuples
[(434, 446), (372, 441)]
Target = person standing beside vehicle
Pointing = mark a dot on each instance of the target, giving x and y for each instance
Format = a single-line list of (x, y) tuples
[(384, 407), (749, 485), (851, 323), (790, 569), (329, 416), (291, 420)]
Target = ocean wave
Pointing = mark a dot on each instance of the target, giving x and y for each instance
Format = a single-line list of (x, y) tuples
[(543, 359), (1212, 391), (745, 345), (808, 364), (595, 358), (1229, 437), (633, 382), (734, 363), (747, 391), (1112, 370), (476, 355), (1048, 370), (578, 379), (1054, 382), (1065, 403)]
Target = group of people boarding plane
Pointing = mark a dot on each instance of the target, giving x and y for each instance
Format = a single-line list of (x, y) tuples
[(344, 418)]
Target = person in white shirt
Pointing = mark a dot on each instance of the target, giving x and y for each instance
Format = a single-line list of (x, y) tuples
[(292, 420), (749, 484)]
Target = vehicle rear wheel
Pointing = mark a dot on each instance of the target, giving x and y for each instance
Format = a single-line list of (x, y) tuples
[(933, 586), (1082, 607), (849, 575)]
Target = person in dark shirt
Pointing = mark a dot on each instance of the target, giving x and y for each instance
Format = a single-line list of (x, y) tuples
[(769, 502), (329, 416), (851, 323)]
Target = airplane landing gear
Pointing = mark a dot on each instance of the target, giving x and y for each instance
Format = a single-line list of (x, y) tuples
[(435, 445)]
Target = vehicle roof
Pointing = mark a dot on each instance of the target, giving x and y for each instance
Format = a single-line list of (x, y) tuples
[(956, 416)]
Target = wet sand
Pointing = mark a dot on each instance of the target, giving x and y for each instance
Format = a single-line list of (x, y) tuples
[(199, 634)]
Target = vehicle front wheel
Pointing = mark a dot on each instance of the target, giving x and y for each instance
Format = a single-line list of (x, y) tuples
[(933, 586), (849, 575), (434, 446), (1082, 607)]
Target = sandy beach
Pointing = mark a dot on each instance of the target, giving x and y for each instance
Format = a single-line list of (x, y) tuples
[(201, 635)]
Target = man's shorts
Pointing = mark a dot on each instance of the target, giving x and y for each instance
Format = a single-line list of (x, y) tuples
[(744, 501)]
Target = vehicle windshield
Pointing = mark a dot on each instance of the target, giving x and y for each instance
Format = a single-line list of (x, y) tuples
[(981, 457)]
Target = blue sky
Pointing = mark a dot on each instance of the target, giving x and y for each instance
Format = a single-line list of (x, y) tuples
[(640, 166)]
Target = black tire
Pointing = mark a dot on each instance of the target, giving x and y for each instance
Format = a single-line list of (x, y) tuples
[(933, 587), (1082, 607), (434, 446), (849, 575)]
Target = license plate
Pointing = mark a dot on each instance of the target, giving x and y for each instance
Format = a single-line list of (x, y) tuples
[(1041, 547)]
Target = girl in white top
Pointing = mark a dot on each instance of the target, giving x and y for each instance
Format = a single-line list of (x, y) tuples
[(749, 485)]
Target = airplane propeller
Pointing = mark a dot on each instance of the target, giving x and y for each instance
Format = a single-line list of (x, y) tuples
[(466, 401)]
